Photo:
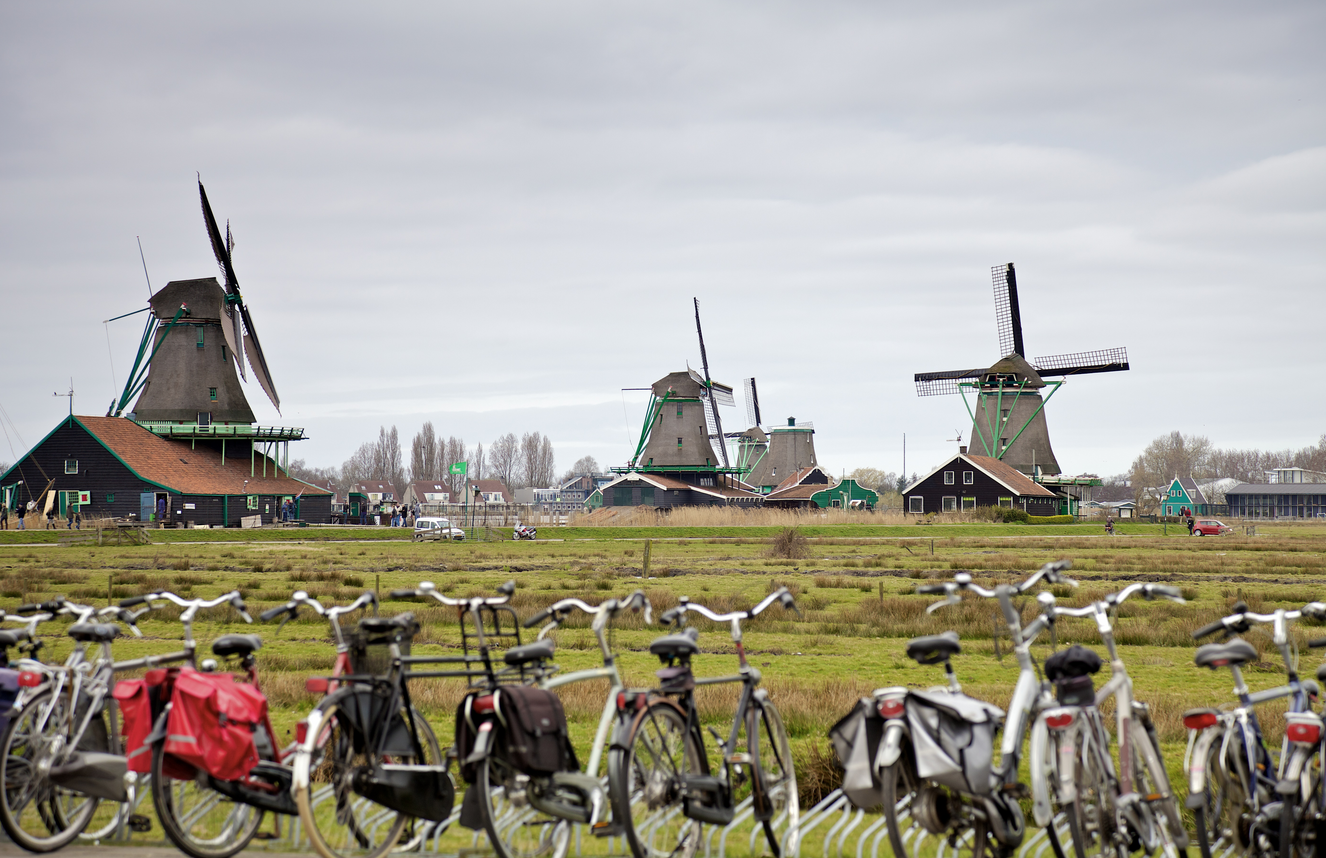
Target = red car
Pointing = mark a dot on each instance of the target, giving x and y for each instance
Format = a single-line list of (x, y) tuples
[(1210, 527)]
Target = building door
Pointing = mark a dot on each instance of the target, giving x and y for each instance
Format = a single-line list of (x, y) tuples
[(146, 506)]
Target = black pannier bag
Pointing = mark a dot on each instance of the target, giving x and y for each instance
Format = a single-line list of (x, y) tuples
[(953, 738), (538, 742), (1070, 670), (465, 738), (856, 740)]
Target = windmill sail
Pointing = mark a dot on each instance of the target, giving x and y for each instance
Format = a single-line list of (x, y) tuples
[(752, 403), (1008, 316), (256, 359), (941, 383), (1082, 363)]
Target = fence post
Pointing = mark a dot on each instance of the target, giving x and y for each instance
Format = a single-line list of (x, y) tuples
[(644, 573)]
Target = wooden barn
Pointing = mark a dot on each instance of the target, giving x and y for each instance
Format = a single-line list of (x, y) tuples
[(966, 482), (111, 467)]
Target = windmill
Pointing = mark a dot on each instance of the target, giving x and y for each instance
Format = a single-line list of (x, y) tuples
[(1008, 420), (752, 444), (197, 334)]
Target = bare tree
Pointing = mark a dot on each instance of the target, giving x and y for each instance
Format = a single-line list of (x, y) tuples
[(547, 463), (502, 457), (424, 459), (476, 460), (1169, 456), (387, 459), (584, 465), (302, 471), (875, 478), (453, 451), (359, 466), (527, 470)]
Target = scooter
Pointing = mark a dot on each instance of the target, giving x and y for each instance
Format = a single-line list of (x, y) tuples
[(523, 532)]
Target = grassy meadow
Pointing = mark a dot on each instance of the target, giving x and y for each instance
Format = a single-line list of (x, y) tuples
[(855, 585)]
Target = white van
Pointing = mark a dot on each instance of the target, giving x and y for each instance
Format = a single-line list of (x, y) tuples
[(436, 528)]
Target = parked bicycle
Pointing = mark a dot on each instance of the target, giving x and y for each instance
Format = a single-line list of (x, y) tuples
[(934, 771), (60, 753), (1238, 792), (1111, 812), (665, 785), (367, 765)]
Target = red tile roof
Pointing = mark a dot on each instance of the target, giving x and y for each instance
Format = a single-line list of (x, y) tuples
[(1010, 476), (193, 471)]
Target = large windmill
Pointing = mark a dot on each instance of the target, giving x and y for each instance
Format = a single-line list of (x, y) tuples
[(197, 335), (1008, 418)]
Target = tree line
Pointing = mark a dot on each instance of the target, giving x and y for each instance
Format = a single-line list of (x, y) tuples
[(1177, 454), (517, 461)]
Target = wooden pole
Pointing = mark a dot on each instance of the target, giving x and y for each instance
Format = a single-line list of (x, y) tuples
[(644, 573)]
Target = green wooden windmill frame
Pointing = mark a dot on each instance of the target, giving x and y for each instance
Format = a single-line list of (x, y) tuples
[(997, 431)]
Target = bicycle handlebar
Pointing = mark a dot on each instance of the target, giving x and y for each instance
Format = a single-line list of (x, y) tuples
[(1243, 620), (48, 607), (301, 597), (429, 589), (191, 606), (781, 595), (560, 611)]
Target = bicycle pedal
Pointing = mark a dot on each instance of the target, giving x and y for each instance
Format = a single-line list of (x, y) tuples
[(139, 823), (741, 758), (607, 829), (1018, 790), (1155, 796)]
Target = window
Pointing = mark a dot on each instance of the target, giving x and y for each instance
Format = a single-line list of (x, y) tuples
[(224, 355), (1004, 413), (968, 503), (110, 497), (679, 412), (949, 504), (948, 478), (968, 478), (678, 443), (211, 393), (916, 503), (1006, 503), (71, 466), (253, 501), (1003, 443), (200, 336), (204, 418)]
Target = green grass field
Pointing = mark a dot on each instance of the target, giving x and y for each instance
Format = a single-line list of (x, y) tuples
[(856, 587)]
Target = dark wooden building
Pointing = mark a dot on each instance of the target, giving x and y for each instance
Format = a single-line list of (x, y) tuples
[(111, 467), (966, 482)]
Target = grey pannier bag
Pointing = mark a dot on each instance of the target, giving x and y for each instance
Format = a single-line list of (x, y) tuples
[(855, 740), (953, 737)]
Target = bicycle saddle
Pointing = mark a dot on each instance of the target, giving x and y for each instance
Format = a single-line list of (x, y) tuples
[(228, 645), (934, 649), (94, 632), (381, 625), (1231, 653), (672, 646), (1070, 663), (537, 651), (11, 637)]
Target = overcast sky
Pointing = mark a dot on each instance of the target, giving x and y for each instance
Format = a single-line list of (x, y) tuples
[(494, 216)]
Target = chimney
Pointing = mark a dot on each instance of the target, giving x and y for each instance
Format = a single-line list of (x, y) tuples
[(962, 450)]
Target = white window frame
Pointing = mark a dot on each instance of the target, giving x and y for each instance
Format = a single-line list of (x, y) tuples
[(969, 478), (916, 503), (949, 478), (968, 504), (1006, 502), (948, 503), (67, 463)]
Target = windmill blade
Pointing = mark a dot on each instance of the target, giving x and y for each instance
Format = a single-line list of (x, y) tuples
[(234, 338), (717, 427), (1083, 363), (752, 403), (722, 394), (942, 383), (256, 359), (219, 247), (1008, 316)]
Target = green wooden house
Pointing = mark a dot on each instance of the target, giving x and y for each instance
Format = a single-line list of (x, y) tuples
[(1184, 497), (847, 494)]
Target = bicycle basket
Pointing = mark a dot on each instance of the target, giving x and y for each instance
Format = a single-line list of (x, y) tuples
[(370, 652)]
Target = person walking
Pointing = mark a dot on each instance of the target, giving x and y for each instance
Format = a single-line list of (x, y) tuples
[(69, 523), (18, 513), (4, 517), (1190, 525)]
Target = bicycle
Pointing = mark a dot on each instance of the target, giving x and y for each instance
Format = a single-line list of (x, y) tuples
[(59, 753), (970, 803), (528, 813), (367, 749), (1112, 812), (1237, 792), (660, 775)]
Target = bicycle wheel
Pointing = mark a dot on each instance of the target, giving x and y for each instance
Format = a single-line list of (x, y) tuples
[(645, 780), (202, 822), (1219, 818), (340, 822), (1162, 812), (515, 828), (36, 814), (774, 778), (915, 809), (1091, 821)]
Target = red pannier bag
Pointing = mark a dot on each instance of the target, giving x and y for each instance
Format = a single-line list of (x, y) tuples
[(136, 707), (212, 719)]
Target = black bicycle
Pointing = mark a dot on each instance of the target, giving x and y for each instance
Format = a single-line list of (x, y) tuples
[(665, 785)]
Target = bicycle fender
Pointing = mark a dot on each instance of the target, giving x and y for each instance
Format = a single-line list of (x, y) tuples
[(1041, 769), (1068, 761), (304, 751), (890, 747), (1288, 783), (483, 743), (1197, 774)]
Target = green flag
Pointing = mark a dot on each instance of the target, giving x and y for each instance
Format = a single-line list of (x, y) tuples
[(460, 468)]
